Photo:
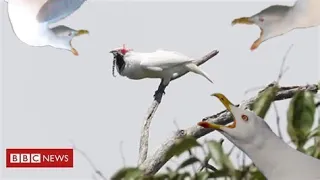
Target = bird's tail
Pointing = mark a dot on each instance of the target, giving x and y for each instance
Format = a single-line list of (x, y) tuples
[(194, 68)]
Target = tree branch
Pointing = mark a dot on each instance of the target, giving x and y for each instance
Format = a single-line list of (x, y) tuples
[(153, 163), (143, 148), (278, 121)]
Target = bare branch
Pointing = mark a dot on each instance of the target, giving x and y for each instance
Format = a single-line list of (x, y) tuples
[(212, 168), (121, 153), (282, 69), (157, 160), (176, 124), (231, 150), (98, 172), (144, 140), (243, 159), (278, 120), (253, 89)]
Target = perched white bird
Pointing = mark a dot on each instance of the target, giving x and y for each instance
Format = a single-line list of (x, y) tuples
[(159, 64), (277, 20), (30, 21), (273, 157)]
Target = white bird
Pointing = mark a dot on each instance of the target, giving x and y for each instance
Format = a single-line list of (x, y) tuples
[(273, 157), (159, 64), (30, 20), (277, 20)]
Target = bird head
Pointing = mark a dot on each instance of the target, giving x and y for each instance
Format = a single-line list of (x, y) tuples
[(245, 125), (272, 22), (65, 36), (118, 58)]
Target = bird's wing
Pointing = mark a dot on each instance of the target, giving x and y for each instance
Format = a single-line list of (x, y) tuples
[(161, 60), (55, 10)]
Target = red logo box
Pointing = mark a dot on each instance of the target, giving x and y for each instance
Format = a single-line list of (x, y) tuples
[(39, 158)]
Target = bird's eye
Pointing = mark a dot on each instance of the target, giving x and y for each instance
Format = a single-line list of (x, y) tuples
[(244, 117), (261, 19)]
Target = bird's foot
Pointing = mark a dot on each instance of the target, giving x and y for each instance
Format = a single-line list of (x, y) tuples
[(82, 32), (159, 92)]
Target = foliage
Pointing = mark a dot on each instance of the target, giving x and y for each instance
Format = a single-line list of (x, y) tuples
[(264, 100), (216, 162), (301, 118)]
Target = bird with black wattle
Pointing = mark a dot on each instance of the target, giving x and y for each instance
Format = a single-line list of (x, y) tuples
[(159, 64)]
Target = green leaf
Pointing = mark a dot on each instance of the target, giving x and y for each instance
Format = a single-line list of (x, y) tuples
[(310, 150), (219, 157), (183, 176), (173, 175), (188, 162), (160, 177), (314, 133), (127, 173), (264, 101), (181, 145), (255, 174), (203, 175), (300, 117), (218, 174)]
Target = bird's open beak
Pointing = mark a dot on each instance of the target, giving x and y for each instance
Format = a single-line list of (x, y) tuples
[(78, 33), (242, 20), (82, 32), (227, 104), (74, 52), (248, 21), (257, 42)]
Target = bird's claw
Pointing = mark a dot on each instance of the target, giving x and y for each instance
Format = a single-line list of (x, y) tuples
[(159, 92)]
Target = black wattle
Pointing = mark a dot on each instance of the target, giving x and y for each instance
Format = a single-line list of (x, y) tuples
[(120, 62)]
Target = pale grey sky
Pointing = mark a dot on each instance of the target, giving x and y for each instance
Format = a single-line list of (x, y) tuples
[(51, 97)]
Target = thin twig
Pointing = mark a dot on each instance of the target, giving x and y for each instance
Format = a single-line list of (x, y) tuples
[(206, 160), (278, 120), (243, 159), (98, 172), (238, 158), (253, 89), (231, 150), (144, 139), (122, 154), (212, 168), (191, 155), (176, 124), (282, 69)]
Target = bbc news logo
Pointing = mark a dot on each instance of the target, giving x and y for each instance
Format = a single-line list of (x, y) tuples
[(39, 158)]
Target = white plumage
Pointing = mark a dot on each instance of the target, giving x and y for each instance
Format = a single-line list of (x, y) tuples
[(159, 64), (277, 20), (30, 21), (273, 157)]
